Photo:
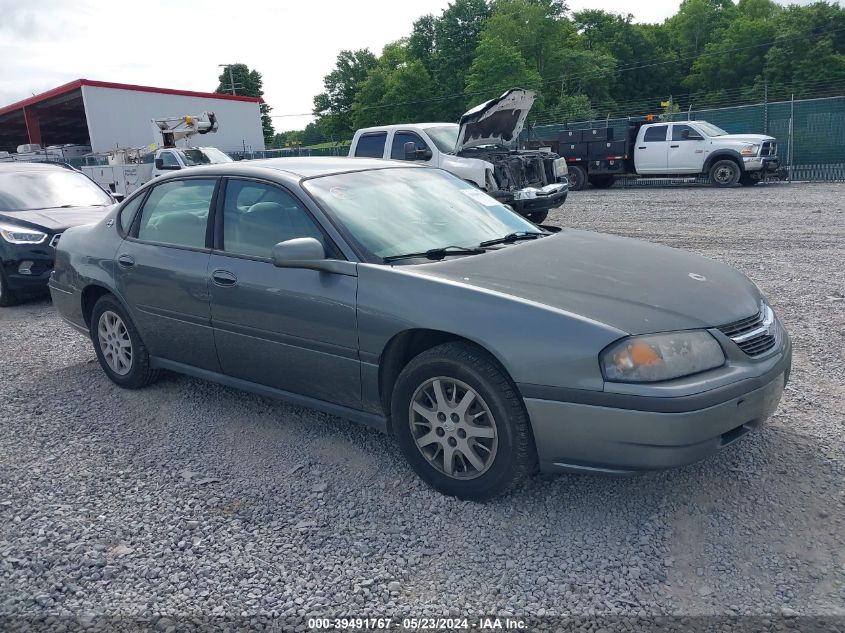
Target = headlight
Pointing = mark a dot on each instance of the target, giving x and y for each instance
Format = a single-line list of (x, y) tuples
[(750, 150), (661, 356), (561, 168), (21, 235)]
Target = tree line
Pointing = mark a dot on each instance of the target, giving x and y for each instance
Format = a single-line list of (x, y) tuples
[(583, 64)]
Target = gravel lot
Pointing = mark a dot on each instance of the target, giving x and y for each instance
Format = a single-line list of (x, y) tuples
[(192, 499)]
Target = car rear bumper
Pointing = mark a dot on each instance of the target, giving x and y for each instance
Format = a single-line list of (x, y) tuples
[(574, 436)]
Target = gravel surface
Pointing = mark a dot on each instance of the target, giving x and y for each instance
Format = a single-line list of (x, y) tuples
[(191, 498)]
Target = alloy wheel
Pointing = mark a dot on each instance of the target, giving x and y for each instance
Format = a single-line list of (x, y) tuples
[(453, 428), (115, 343)]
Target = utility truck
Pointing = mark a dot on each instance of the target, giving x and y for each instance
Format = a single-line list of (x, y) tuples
[(128, 169), (482, 149), (665, 149)]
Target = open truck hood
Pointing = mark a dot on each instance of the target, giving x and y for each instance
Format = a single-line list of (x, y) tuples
[(496, 122)]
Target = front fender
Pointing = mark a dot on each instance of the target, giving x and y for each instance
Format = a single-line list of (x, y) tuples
[(470, 169), (721, 154)]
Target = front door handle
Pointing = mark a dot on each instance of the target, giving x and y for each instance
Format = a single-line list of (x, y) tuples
[(641, 147), (674, 146), (126, 261), (224, 278)]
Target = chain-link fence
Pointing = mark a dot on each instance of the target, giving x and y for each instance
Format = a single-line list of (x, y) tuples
[(810, 132)]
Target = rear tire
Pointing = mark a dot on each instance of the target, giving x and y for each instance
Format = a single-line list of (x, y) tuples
[(602, 182), (119, 348), (537, 217), (577, 178), (724, 173), (476, 451), (7, 297)]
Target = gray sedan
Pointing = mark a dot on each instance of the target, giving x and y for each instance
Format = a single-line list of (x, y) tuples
[(404, 298)]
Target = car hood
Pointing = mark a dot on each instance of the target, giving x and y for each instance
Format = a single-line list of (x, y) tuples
[(56, 220), (634, 286), (496, 122), (744, 138)]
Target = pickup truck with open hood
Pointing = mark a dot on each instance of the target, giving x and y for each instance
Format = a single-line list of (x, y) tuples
[(482, 150)]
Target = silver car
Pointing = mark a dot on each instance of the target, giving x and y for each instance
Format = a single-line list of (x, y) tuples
[(406, 299)]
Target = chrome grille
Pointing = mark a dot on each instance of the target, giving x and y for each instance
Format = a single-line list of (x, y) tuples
[(769, 148), (54, 241), (754, 335)]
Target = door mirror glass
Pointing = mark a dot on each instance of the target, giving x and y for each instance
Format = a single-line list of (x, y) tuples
[(300, 252)]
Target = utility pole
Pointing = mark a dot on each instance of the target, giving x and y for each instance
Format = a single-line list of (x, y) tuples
[(231, 77)]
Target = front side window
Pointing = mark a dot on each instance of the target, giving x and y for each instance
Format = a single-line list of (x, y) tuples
[(257, 216), (49, 189), (678, 132), (412, 209), (655, 134), (397, 148), (371, 145), (168, 159), (176, 212)]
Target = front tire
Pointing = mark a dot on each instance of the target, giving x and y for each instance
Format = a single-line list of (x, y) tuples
[(461, 424), (119, 348), (7, 297), (724, 173)]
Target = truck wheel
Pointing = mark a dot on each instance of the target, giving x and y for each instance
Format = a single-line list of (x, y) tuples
[(602, 182), (577, 178), (747, 181), (537, 216), (724, 173)]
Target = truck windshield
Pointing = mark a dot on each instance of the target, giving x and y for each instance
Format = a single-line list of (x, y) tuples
[(445, 137), (709, 129), (388, 212), (205, 156), (49, 189)]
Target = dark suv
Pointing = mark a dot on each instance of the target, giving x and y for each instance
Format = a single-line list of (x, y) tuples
[(38, 201)]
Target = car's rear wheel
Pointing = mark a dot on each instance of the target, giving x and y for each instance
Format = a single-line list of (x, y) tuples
[(461, 424), (120, 350), (7, 297), (724, 173)]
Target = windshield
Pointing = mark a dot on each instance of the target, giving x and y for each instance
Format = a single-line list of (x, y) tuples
[(391, 212), (205, 156), (709, 129), (26, 190), (444, 136)]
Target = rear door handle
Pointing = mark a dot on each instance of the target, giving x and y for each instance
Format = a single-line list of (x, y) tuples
[(224, 278), (641, 147), (126, 261), (674, 146)]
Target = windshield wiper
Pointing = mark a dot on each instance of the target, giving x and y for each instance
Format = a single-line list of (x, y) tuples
[(510, 238), (437, 253)]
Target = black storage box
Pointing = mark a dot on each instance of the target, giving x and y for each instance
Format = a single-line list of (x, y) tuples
[(571, 136), (603, 149), (573, 150), (598, 134)]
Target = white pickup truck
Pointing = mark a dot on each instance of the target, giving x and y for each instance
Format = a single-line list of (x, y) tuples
[(666, 149), (122, 176), (481, 149)]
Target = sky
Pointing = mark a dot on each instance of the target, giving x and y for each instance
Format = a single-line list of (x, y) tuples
[(293, 44)]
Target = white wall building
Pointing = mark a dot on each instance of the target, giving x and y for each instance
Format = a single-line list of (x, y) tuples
[(107, 116)]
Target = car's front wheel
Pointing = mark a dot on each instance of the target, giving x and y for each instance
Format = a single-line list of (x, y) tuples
[(461, 424), (120, 350)]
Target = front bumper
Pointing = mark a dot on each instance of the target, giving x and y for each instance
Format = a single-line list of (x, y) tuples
[(763, 164), (533, 198), (27, 268), (574, 436)]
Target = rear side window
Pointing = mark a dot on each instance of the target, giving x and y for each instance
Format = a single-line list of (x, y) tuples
[(656, 133), (127, 213), (371, 145), (176, 212), (397, 148)]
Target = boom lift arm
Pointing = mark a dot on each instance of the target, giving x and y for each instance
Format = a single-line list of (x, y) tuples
[(173, 129)]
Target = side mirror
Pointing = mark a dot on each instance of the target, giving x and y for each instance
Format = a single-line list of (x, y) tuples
[(307, 252), (412, 153)]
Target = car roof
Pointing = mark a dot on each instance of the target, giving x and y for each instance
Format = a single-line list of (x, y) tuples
[(308, 167), (403, 126), (34, 166)]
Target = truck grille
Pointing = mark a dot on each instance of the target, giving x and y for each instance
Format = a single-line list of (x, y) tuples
[(769, 148), (754, 335)]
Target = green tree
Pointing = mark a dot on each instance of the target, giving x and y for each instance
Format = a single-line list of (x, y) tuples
[(497, 67), (251, 85), (333, 106)]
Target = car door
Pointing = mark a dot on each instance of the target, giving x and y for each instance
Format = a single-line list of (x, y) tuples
[(162, 271), (651, 154), (288, 328), (686, 150)]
